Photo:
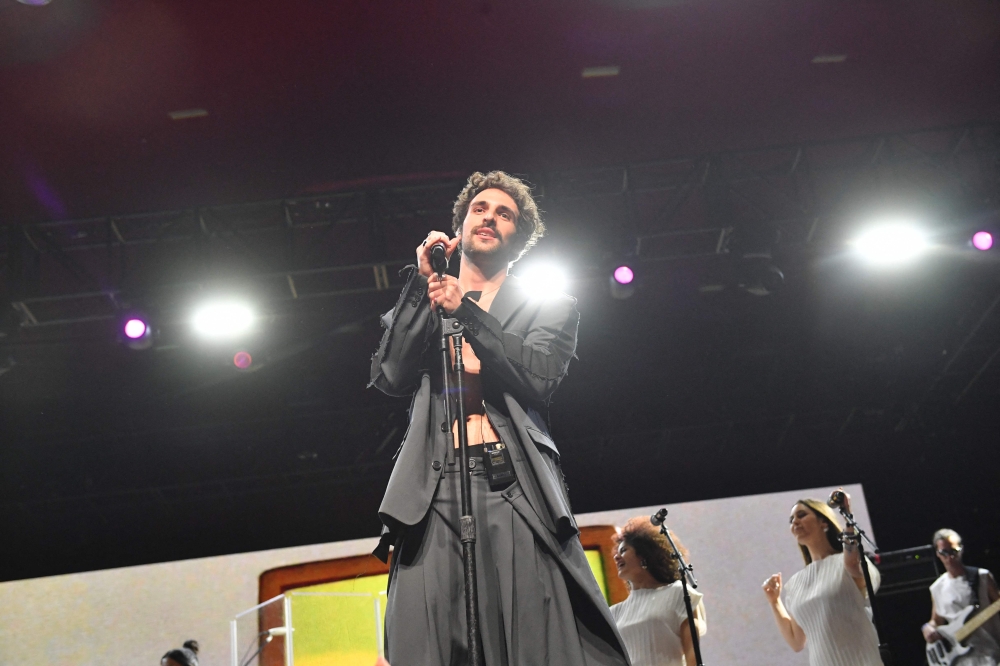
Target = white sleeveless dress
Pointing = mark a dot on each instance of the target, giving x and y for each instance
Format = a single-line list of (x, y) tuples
[(834, 614), (649, 622)]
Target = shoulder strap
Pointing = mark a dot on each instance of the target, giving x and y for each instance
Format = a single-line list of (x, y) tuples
[(972, 578)]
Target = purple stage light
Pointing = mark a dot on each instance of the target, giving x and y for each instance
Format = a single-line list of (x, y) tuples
[(982, 240), (624, 275), (242, 360), (135, 329)]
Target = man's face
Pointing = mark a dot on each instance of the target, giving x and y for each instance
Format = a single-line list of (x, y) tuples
[(489, 225), (949, 551)]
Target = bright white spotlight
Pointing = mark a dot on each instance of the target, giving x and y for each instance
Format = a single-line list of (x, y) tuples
[(222, 319), (890, 244), (544, 281)]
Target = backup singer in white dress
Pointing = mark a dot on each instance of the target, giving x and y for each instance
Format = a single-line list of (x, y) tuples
[(653, 621), (825, 606)]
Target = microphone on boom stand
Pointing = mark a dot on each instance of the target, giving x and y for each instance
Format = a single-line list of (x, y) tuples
[(685, 572), (836, 499)]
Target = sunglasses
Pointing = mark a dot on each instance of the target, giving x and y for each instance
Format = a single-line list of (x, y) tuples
[(949, 552)]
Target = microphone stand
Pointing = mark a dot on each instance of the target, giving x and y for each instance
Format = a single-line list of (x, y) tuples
[(859, 538), (453, 328), (687, 573)]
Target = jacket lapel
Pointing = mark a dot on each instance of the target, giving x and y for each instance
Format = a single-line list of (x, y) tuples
[(509, 300)]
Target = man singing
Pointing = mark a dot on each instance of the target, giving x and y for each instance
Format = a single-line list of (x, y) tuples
[(538, 600)]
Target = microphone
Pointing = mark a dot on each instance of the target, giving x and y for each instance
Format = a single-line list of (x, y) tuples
[(439, 260), (658, 517), (836, 499)]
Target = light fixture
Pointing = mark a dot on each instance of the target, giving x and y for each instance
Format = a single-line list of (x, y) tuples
[(135, 328), (982, 240), (35, 3), (623, 275), (135, 331), (221, 320), (543, 281), (760, 276), (890, 244), (622, 282)]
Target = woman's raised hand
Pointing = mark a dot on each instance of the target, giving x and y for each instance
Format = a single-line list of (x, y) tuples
[(772, 588)]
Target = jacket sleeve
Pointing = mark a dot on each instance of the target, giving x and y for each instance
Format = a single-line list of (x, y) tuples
[(532, 362), (408, 328)]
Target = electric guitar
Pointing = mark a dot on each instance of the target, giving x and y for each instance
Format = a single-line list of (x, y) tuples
[(945, 651)]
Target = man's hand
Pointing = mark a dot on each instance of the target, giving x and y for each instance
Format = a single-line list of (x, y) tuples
[(424, 250), (930, 633), (444, 292)]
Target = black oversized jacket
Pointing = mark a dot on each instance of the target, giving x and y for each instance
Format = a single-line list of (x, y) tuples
[(524, 346)]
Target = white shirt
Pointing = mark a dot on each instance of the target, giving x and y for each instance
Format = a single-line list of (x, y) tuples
[(833, 613), (951, 596), (649, 622)]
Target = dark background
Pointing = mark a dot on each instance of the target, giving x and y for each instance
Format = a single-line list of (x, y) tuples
[(337, 134)]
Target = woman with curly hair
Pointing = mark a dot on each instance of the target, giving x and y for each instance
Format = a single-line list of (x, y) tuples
[(653, 621), (826, 604)]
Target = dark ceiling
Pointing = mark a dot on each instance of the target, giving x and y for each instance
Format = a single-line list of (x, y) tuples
[(352, 125), (327, 91)]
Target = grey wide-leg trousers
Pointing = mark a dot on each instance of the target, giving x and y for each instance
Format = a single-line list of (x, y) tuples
[(526, 602)]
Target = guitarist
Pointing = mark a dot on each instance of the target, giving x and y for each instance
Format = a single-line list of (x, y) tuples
[(958, 588)]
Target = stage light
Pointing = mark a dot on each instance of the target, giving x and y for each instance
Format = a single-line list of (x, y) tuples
[(890, 244), (242, 360), (624, 275), (762, 277), (135, 329), (35, 3), (220, 320), (622, 282), (543, 281), (982, 240)]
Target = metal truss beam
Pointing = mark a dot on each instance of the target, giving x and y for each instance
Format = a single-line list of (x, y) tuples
[(341, 243)]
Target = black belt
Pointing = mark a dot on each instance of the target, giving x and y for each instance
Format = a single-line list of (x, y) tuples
[(477, 455)]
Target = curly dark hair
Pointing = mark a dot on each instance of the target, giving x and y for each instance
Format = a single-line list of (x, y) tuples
[(652, 548), (529, 220)]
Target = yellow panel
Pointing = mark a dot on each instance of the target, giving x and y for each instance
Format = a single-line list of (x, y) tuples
[(360, 584), (340, 629), (596, 562)]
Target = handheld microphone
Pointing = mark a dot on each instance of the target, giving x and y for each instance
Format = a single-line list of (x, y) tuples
[(658, 517), (836, 499), (439, 260)]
